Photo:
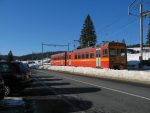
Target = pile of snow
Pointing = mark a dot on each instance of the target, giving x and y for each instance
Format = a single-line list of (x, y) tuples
[(124, 75)]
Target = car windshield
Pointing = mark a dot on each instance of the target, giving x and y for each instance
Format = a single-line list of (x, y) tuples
[(31, 62)]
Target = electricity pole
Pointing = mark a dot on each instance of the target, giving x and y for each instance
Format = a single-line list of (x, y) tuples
[(142, 14), (141, 31)]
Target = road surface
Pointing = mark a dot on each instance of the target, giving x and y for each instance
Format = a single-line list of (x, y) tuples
[(55, 92)]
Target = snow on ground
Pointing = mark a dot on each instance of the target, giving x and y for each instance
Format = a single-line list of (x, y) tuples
[(123, 75)]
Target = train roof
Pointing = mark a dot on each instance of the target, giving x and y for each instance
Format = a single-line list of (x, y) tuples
[(58, 54), (100, 45), (84, 48), (113, 43)]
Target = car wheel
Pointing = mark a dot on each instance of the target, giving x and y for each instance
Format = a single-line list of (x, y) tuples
[(7, 90)]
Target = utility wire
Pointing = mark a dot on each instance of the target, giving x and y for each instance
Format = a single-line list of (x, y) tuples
[(136, 6), (108, 26), (121, 28)]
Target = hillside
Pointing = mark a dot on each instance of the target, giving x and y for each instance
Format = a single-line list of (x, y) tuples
[(34, 56)]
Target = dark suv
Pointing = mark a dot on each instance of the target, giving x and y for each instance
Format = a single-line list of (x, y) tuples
[(15, 75)]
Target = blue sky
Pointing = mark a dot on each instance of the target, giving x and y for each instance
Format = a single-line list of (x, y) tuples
[(25, 24)]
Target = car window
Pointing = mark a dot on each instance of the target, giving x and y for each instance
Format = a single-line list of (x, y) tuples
[(5, 67)]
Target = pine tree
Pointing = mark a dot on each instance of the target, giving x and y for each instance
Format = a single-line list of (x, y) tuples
[(148, 35), (10, 57), (88, 35)]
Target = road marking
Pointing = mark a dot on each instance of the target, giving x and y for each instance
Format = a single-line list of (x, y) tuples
[(99, 86)]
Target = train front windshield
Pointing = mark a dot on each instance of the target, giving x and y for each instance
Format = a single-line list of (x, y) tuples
[(117, 52), (122, 52), (113, 52)]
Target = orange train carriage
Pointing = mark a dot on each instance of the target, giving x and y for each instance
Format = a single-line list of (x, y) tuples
[(59, 59), (110, 55)]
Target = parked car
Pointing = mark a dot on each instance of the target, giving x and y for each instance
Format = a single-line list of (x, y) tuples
[(33, 65), (2, 90), (15, 75), (23, 69)]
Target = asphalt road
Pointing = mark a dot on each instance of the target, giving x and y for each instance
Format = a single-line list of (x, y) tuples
[(55, 92), (93, 95)]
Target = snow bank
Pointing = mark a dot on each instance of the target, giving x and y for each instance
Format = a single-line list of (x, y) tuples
[(123, 75)]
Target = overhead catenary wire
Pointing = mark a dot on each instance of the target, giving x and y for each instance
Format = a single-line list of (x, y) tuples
[(111, 24), (108, 26), (129, 23), (122, 27)]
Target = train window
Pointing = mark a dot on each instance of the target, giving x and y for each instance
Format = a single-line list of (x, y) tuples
[(83, 56), (122, 52), (79, 56), (87, 55), (75, 56), (112, 52), (105, 52), (92, 55)]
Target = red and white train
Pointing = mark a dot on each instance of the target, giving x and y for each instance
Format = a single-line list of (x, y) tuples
[(111, 55)]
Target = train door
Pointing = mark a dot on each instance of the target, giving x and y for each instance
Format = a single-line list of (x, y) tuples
[(98, 62)]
